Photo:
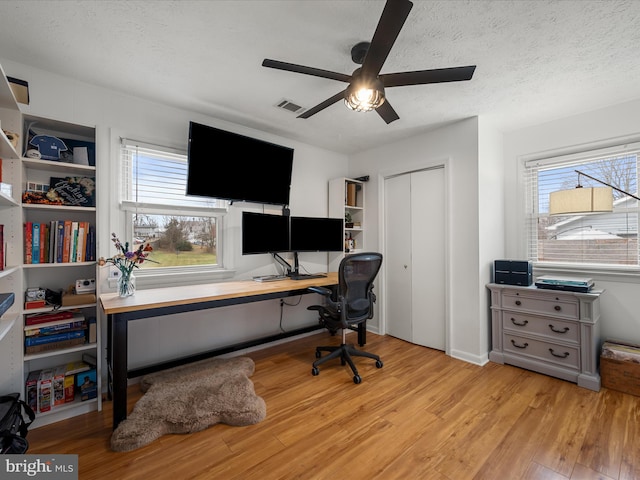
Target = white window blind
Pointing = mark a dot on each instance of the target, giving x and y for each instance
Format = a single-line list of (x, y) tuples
[(154, 182), (604, 239)]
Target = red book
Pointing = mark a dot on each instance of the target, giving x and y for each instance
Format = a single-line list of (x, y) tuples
[(47, 317), (44, 246), (66, 253), (28, 242)]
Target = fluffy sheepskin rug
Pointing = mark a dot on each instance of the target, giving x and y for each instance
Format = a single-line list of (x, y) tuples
[(190, 398)]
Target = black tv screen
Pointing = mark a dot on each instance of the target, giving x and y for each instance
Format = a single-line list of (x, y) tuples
[(264, 233), (317, 234), (234, 167)]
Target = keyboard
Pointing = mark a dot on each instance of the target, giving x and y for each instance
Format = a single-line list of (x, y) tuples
[(268, 278), (308, 276)]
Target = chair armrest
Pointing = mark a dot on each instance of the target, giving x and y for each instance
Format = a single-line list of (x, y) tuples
[(321, 290)]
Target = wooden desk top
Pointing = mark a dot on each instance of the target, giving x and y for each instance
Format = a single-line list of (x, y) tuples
[(191, 294)]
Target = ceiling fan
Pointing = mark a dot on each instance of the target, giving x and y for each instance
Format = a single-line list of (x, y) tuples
[(365, 91)]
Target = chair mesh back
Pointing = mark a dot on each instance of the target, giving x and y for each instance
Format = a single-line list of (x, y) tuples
[(356, 275)]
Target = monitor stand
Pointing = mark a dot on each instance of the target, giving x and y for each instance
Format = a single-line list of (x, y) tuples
[(293, 272)]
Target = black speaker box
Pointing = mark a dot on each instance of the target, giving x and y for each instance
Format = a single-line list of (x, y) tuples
[(513, 272)]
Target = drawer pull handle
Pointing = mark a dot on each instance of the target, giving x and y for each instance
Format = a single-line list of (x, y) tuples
[(523, 345), (566, 354), (513, 320), (518, 302), (557, 308), (556, 330)]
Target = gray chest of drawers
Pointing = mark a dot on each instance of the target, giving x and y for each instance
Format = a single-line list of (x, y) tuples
[(556, 333)]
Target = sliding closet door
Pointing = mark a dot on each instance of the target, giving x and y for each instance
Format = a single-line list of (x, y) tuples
[(397, 257), (415, 257), (428, 257)]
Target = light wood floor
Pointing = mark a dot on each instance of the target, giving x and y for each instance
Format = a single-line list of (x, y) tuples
[(422, 416)]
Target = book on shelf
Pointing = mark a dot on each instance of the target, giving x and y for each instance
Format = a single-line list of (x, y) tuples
[(66, 241), (87, 383), (71, 369), (58, 385), (53, 338), (31, 389), (44, 243), (28, 242), (91, 244), (54, 346), (40, 318), (59, 240), (58, 326), (73, 242), (45, 381), (35, 243)]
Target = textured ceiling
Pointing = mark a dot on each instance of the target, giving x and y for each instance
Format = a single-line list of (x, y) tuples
[(536, 60)]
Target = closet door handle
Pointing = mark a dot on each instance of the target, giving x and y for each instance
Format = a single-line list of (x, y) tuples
[(556, 330), (518, 302)]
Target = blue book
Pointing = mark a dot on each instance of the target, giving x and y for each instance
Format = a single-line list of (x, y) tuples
[(35, 248), (55, 329), (59, 240), (58, 337)]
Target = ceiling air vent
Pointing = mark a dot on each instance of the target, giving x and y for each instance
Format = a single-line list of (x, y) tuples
[(289, 105)]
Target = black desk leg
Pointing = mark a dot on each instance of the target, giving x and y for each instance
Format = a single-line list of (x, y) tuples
[(118, 360)]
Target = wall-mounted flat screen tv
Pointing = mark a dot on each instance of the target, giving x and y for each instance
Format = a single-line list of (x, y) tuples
[(234, 167), (264, 233), (316, 234)]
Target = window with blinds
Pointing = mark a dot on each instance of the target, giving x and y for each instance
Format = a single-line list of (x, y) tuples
[(607, 239), (183, 230)]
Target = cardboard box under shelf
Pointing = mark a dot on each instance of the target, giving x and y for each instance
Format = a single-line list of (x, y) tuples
[(620, 367)]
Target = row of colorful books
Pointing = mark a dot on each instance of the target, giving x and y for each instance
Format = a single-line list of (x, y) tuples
[(48, 388), (59, 241), (54, 331)]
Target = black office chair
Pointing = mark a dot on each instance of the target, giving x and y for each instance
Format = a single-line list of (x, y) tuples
[(349, 306)]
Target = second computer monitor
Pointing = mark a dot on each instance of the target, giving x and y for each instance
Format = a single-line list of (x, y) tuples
[(316, 234)]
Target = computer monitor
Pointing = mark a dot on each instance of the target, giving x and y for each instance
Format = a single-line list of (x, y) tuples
[(264, 233), (317, 234)]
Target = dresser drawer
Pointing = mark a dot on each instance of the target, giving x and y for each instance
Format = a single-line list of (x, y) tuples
[(549, 327), (557, 305), (568, 357)]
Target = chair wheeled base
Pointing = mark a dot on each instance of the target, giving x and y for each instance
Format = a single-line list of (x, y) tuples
[(344, 352)]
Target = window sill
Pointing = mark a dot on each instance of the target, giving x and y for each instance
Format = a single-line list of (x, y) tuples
[(178, 277)]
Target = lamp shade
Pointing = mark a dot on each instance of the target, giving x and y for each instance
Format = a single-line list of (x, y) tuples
[(581, 200)]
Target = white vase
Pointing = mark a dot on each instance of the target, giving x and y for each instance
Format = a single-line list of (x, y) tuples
[(126, 284)]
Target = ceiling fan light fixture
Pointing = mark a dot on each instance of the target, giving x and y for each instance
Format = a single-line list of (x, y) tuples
[(364, 97)]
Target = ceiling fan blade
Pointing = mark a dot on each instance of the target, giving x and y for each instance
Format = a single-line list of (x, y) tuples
[(321, 106), (292, 67), (421, 77), (387, 112), (393, 16)]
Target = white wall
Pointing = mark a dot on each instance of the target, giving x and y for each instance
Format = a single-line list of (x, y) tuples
[(608, 126), (458, 147), (114, 115)]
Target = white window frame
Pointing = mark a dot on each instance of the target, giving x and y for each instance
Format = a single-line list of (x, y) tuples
[(532, 214), (214, 208)]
